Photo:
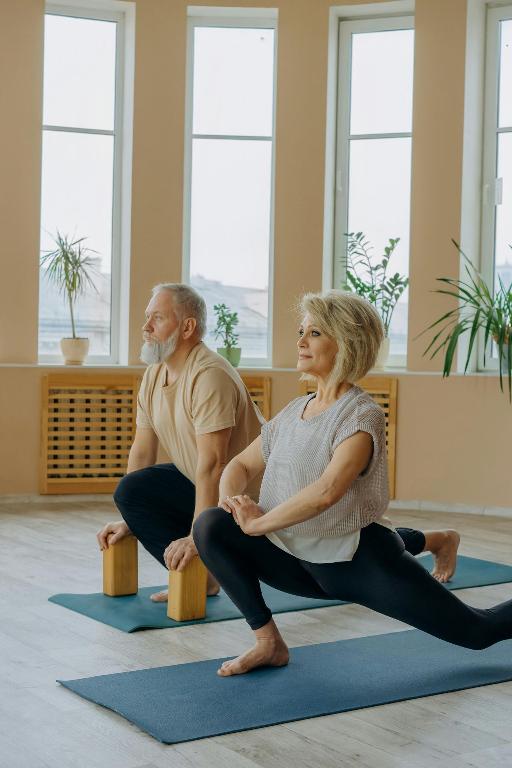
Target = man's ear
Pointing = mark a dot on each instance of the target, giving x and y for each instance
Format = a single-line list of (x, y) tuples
[(189, 327)]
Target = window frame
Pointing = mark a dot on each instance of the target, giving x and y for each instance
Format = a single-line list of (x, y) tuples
[(121, 165), (333, 269), (223, 18), (491, 130)]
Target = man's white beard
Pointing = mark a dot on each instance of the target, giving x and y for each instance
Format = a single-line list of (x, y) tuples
[(157, 351)]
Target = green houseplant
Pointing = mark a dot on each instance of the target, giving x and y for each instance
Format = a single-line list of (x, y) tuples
[(70, 267), (226, 323), (368, 277), (479, 308)]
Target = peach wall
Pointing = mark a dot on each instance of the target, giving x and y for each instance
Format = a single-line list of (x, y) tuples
[(21, 51), (452, 442)]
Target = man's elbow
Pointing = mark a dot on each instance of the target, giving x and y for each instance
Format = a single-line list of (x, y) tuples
[(212, 468)]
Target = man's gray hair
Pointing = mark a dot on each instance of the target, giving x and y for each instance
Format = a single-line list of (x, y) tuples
[(187, 303)]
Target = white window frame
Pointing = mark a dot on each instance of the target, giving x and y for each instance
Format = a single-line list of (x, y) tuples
[(344, 20), (254, 18), (123, 13), (490, 189)]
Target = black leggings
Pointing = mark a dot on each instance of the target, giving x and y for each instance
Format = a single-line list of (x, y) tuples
[(381, 576), (157, 503)]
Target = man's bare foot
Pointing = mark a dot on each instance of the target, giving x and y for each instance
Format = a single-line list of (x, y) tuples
[(212, 588), (269, 651), (444, 546)]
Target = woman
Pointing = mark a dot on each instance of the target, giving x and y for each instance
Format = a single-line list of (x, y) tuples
[(318, 528)]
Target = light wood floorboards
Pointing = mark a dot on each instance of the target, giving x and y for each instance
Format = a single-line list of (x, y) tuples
[(49, 548)]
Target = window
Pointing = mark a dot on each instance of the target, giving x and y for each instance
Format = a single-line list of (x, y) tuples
[(496, 259), (373, 149), (228, 238), (81, 171)]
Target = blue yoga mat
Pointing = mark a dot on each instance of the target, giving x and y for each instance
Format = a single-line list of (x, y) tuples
[(190, 701), (136, 612)]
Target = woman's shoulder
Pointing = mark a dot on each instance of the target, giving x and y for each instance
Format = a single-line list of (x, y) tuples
[(363, 407)]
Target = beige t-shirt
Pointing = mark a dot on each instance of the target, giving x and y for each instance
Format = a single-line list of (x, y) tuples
[(208, 396)]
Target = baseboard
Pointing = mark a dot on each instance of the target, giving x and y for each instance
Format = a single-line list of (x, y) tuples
[(440, 506), (55, 499), (398, 504)]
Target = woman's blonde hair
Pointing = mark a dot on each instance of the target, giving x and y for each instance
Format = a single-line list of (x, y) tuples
[(353, 323)]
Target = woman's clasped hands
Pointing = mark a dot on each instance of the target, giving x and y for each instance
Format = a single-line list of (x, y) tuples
[(246, 513)]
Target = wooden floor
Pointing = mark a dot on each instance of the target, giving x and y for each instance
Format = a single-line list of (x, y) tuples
[(51, 548)]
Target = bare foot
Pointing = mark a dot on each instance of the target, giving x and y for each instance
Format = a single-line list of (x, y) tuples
[(212, 588), (268, 652), (160, 597), (444, 547)]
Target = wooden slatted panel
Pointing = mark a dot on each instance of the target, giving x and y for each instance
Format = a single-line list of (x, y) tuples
[(259, 388), (384, 391), (88, 426)]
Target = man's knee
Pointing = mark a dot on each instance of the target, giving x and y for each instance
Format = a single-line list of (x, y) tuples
[(129, 490), (210, 525)]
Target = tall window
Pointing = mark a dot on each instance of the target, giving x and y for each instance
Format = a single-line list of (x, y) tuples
[(373, 155), (497, 167), (229, 174), (81, 171)]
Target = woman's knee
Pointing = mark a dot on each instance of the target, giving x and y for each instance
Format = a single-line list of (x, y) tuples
[(211, 525)]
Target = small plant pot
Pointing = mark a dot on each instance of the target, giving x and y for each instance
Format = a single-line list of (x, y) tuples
[(382, 357), (232, 355), (74, 351)]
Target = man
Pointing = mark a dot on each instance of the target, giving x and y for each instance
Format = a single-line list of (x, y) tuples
[(195, 404)]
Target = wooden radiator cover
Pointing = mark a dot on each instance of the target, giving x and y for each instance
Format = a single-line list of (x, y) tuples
[(88, 426), (384, 391), (259, 390)]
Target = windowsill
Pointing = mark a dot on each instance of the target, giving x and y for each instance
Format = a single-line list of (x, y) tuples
[(391, 371)]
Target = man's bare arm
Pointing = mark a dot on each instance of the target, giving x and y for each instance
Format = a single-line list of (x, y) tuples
[(142, 454), (143, 451), (212, 453)]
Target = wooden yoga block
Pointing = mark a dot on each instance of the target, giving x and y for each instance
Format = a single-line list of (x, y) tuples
[(187, 592), (120, 568)]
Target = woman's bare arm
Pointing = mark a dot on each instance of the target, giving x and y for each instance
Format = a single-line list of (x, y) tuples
[(348, 461), (241, 470)]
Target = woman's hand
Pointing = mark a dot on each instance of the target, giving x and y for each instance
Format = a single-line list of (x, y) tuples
[(245, 511)]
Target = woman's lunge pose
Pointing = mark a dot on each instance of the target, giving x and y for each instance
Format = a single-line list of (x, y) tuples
[(318, 528)]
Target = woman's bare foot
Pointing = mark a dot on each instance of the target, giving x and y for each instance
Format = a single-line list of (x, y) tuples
[(270, 650), (444, 546), (212, 588)]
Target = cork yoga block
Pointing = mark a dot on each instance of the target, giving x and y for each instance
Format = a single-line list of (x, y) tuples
[(187, 592), (120, 568)]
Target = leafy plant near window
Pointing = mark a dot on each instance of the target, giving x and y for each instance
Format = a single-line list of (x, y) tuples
[(368, 277), (226, 322), (70, 267), (479, 308)]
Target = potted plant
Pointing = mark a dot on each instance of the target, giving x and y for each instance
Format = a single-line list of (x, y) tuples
[(479, 308), (69, 267), (226, 322), (368, 278)]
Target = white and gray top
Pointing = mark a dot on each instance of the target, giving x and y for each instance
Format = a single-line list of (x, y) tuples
[(297, 452)]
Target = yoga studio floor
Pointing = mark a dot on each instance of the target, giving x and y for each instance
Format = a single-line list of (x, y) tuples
[(49, 548)]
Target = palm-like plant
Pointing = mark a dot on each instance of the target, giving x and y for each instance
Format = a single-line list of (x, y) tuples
[(69, 267), (478, 309)]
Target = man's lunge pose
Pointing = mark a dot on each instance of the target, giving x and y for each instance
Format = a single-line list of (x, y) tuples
[(195, 404)]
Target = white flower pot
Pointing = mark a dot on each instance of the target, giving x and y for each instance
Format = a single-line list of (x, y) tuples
[(382, 357), (74, 351)]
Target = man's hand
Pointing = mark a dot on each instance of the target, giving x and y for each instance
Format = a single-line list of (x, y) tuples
[(179, 553), (112, 533), (245, 511)]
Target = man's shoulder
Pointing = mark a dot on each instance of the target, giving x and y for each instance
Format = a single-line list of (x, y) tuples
[(150, 377), (209, 364)]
